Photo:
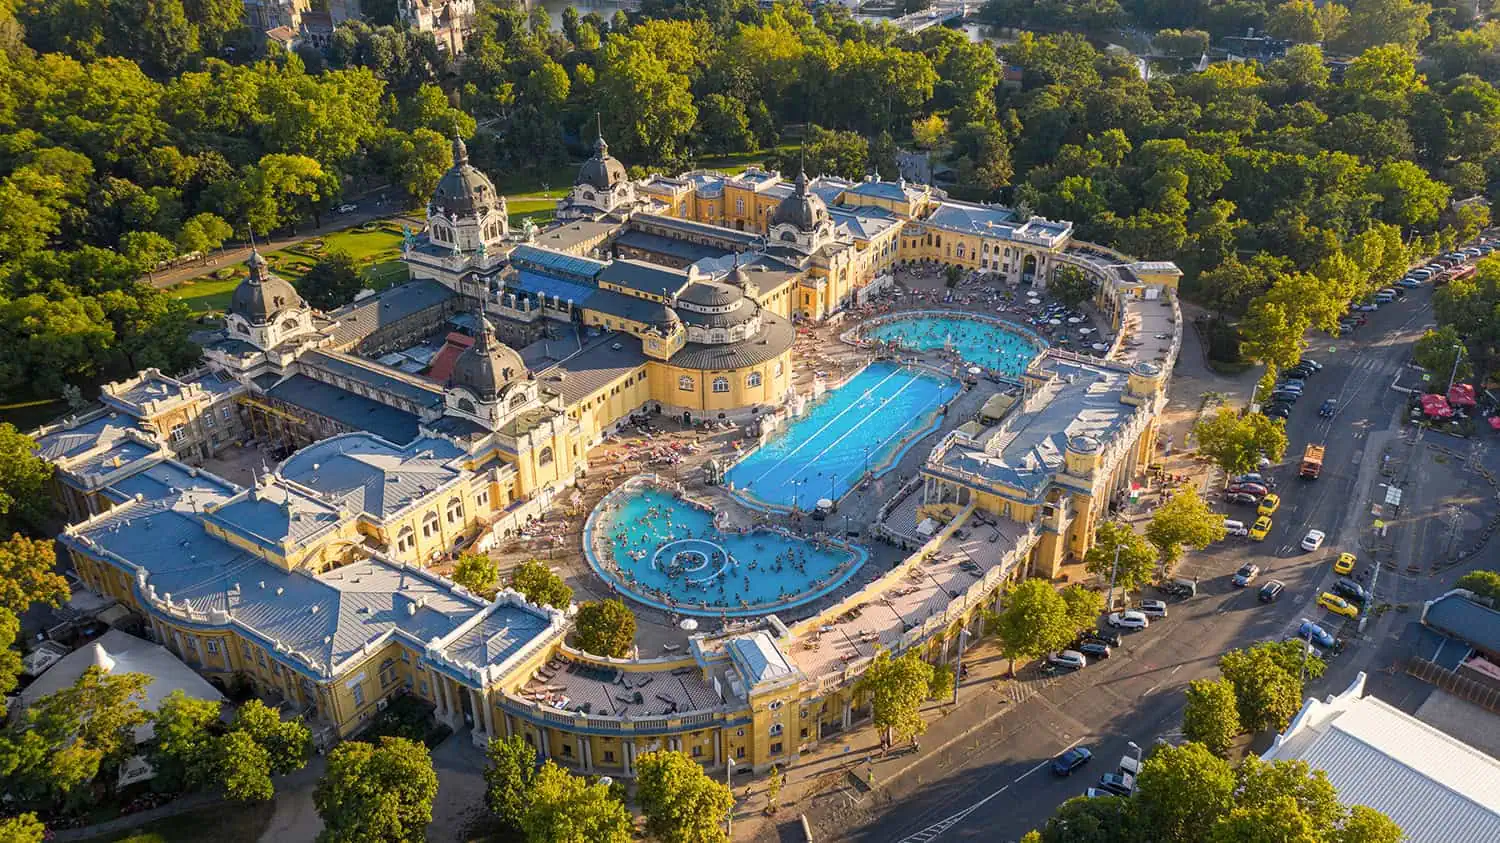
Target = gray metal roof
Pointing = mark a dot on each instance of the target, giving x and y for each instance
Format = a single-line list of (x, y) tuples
[(644, 277), (1435, 787), (276, 516), (379, 378), (630, 307), (670, 247), (367, 474), (354, 411), (776, 336), (1474, 624), (64, 441), (598, 364), (363, 318)]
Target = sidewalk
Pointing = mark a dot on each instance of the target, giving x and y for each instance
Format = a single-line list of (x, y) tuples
[(849, 769)]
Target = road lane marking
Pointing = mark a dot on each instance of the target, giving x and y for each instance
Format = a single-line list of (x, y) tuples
[(932, 831)]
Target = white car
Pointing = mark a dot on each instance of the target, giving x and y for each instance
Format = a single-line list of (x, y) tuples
[(1128, 620), (1313, 540), (347, 208), (1069, 659)]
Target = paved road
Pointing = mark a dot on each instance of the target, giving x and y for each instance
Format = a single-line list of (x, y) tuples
[(998, 788)]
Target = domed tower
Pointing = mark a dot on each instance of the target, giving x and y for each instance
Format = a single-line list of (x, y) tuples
[(801, 220), (265, 309), (490, 382), (602, 187), (466, 214)]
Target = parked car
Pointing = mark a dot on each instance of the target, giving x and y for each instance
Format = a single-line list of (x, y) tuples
[(1094, 649), (1270, 591), (1310, 631), (1104, 636), (1313, 540), (1308, 361), (1241, 497), (1282, 396), (1351, 591), (1337, 605), (1068, 762), (1117, 783), (1070, 659), (1256, 478), (1409, 283), (1329, 409), (1344, 564), (1180, 588), (1128, 620), (348, 208), (1250, 488), (1366, 306), (1153, 608), (1269, 504), (1276, 411), (1246, 574)]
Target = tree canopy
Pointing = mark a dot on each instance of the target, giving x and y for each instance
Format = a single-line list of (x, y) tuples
[(1136, 559), (564, 808), (540, 585), (1185, 519), (605, 628), (1037, 620), (681, 803), (1237, 442), (375, 792), (897, 687)]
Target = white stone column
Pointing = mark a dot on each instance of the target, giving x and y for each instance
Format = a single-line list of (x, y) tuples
[(546, 744), (489, 716), (476, 699), (629, 749), (848, 714), (587, 747)]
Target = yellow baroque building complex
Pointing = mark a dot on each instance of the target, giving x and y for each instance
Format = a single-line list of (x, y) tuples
[(447, 410)]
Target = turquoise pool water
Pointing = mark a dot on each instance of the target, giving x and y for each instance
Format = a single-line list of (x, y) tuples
[(984, 343), (866, 423), (666, 552)]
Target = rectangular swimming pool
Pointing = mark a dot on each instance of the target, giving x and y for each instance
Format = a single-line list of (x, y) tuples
[(868, 422)]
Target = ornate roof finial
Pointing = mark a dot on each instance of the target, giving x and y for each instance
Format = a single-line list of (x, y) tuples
[(460, 151), (601, 148)]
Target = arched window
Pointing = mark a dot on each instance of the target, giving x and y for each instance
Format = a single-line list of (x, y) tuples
[(455, 511), (789, 236), (589, 195), (517, 402), (405, 539), (779, 368), (465, 405), (752, 380), (429, 524), (545, 457), (686, 383), (960, 250), (289, 325), (721, 384)]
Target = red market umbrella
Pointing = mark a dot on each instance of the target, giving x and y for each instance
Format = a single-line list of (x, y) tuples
[(1462, 395), (1436, 406), (1494, 422)]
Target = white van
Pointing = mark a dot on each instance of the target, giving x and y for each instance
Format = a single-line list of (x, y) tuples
[(1235, 528)]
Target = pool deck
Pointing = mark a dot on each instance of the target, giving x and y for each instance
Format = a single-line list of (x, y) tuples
[(904, 600), (610, 692)]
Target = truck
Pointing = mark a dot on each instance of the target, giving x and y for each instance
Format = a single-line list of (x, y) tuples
[(1312, 462)]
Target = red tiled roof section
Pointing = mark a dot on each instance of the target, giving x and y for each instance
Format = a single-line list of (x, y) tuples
[(442, 364)]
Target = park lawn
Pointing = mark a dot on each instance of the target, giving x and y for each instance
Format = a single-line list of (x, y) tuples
[(229, 822), (740, 161), (377, 250)]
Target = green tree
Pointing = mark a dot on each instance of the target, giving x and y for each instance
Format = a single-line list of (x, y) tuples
[(1437, 351), (331, 282), (1483, 583), (984, 155), (661, 114), (1373, 23), (540, 586), (244, 767), (1408, 196), (680, 802), (417, 160), (23, 495), (376, 793), (1034, 621), (27, 575), (605, 628), (1212, 715), (1267, 694), (71, 737), (724, 125), (1101, 819), (1237, 442), (941, 685), (1184, 519), (1295, 20), (1137, 558), (508, 779), (836, 153), (25, 828), (1071, 286), (1367, 825), (896, 689), (564, 808), (203, 233), (478, 573), (279, 190), (929, 132), (1183, 790), (184, 737), (10, 658), (288, 743), (1181, 43)]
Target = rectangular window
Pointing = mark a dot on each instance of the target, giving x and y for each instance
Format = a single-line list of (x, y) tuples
[(260, 657), (609, 756), (226, 413), (804, 732), (208, 420), (213, 646), (567, 750), (697, 751), (359, 695), (179, 433), (739, 752), (406, 657), (776, 748)]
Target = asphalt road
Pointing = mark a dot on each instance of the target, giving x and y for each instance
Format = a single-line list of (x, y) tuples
[(997, 787)]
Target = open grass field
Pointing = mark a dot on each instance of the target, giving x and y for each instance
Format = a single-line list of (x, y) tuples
[(376, 247)]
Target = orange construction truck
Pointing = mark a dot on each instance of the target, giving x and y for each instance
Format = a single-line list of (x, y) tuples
[(1312, 462)]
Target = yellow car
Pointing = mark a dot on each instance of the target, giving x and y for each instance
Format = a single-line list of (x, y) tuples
[(1269, 504), (1345, 564), (1261, 527), (1337, 605)]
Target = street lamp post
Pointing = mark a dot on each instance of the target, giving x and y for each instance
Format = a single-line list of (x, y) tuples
[(729, 783), (1453, 376), (958, 667), (1113, 566)]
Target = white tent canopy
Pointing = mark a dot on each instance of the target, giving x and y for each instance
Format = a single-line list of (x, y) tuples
[(120, 652)]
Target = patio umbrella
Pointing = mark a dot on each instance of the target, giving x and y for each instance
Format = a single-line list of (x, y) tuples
[(975, 370), (1085, 331), (1054, 322), (1074, 320), (1462, 395), (1436, 406), (688, 624), (1494, 422), (1099, 346)]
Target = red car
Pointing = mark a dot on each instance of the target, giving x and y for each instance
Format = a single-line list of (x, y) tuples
[(1249, 489)]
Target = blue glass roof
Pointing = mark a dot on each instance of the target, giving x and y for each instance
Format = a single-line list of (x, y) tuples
[(546, 259), (537, 283)]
